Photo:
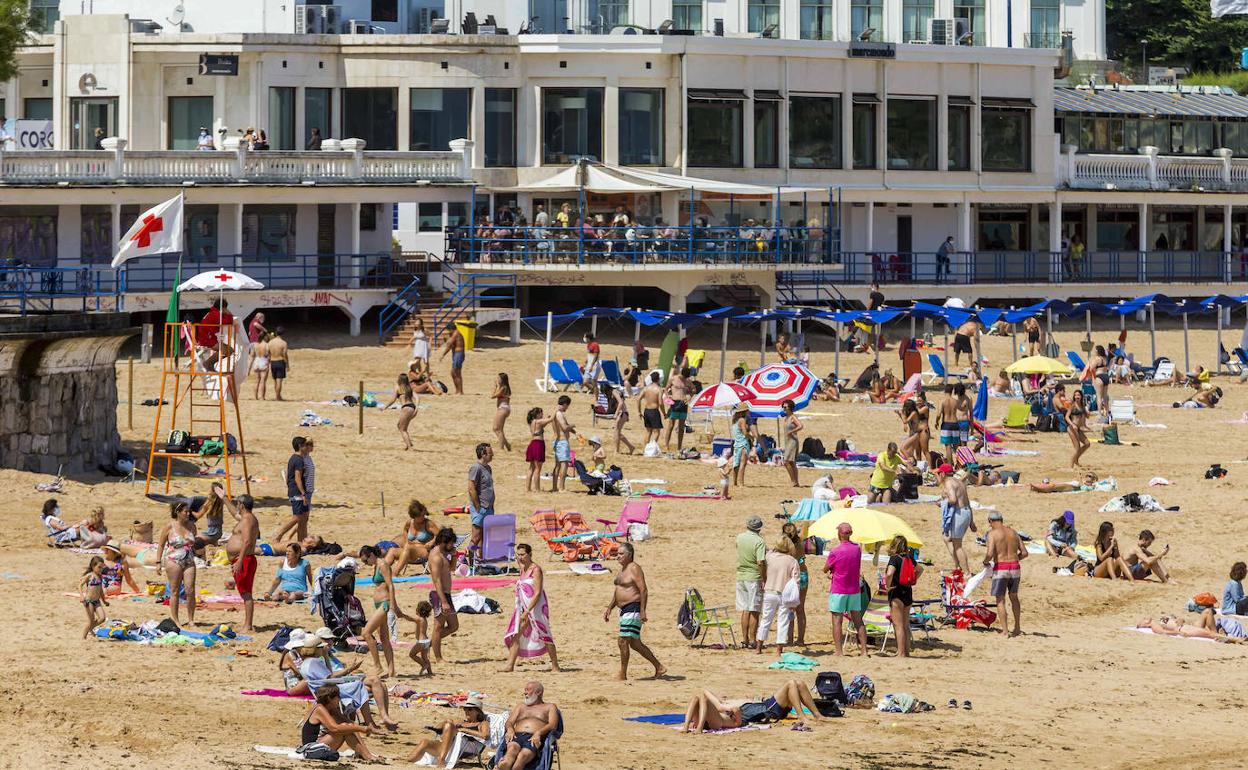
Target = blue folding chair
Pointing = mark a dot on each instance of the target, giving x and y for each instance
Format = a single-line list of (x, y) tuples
[(1076, 361), (611, 372), (573, 371), (938, 371), (1089, 397), (555, 374)]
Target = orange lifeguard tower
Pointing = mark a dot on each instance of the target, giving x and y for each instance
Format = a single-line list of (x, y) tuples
[(198, 384)]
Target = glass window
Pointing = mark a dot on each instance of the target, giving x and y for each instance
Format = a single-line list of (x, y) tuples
[(864, 135), (268, 232), (97, 234), (687, 14), (1045, 24), (456, 214), (500, 127), (641, 126), (318, 113), (201, 229), (571, 124), (1003, 230), (715, 133), (385, 10), (43, 15), (28, 233), (92, 119), (186, 115), (1006, 138), (429, 217), (866, 15), (766, 134), (915, 14), (37, 109), (912, 134), (814, 132), (613, 13), (282, 118), (371, 114), (761, 14), (437, 116), (815, 22), (973, 12), (959, 138)]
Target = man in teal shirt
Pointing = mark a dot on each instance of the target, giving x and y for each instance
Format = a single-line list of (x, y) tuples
[(751, 566)]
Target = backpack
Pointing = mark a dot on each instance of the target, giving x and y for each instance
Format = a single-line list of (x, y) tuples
[(279, 640), (908, 575), (178, 441), (355, 617), (1046, 423), (317, 750), (211, 448), (685, 620), (1052, 350), (860, 688), (830, 687), (813, 447)]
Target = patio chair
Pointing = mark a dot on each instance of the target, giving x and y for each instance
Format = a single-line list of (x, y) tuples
[(938, 371), (601, 409), (1164, 372), (573, 371), (555, 375), (1122, 410), (634, 512), (707, 618), (1017, 416), (877, 620), (611, 372), (498, 540), (547, 526), (603, 545), (959, 611), (1076, 361)]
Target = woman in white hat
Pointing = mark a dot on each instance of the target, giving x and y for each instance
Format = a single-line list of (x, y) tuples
[(288, 664), (353, 688), (475, 724)]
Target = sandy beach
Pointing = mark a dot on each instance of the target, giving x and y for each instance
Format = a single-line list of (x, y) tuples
[(1075, 689)]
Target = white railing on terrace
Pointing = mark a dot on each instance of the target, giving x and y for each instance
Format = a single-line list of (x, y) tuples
[(1151, 170), (337, 162)]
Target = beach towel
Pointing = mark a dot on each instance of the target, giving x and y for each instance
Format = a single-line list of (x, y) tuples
[(1149, 631), (842, 464), (664, 494), (658, 719), (270, 692), (791, 661), (588, 568), (290, 753)]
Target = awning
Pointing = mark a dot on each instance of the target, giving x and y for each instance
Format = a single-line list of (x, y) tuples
[(866, 99), (602, 178), (961, 101), (1147, 104), (716, 94), (767, 96), (1001, 101)]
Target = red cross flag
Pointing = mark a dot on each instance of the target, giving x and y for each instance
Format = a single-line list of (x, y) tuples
[(157, 231)]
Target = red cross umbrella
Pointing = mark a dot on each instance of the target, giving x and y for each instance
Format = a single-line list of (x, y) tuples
[(776, 383), (721, 396), (220, 280)]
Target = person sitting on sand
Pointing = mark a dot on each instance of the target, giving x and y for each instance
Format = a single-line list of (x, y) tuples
[(1234, 602), (288, 665), (116, 570), (828, 389), (475, 725), (1000, 385), (353, 688), (325, 724), (708, 711), (294, 575), (1144, 562), (527, 725), (1086, 483), (1205, 399), (1062, 538), (415, 540), (60, 532), (1168, 625), (1109, 561)]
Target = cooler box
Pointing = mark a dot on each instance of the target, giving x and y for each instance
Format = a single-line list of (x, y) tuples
[(469, 330)]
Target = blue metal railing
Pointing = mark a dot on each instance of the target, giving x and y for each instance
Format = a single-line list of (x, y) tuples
[(473, 290), (400, 307), (37, 289), (294, 271)]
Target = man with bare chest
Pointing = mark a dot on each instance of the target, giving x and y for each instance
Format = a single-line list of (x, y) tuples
[(527, 726), (630, 596), (241, 549)]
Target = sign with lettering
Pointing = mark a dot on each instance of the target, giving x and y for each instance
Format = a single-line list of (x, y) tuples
[(31, 134), (218, 64)]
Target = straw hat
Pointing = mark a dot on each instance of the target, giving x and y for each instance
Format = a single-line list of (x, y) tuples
[(595, 440), (112, 546), (473, 702), (741, 407)]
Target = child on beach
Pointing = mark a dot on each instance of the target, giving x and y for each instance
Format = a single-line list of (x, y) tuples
[(724, 463), (420, 650), (599, 456), (91, 588)]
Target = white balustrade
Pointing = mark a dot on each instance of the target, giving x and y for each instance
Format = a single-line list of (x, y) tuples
[(1153, 171)]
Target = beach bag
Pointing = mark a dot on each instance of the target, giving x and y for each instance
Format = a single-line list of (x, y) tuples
[(1052, 350), (685, 620), (652, 450), (842, 445), (317, 750), (279, 639), (354, 612), (813, 447), (791, 596), (908, 575), (1046, 423), (638, 532), (212, 448), (178, 441), (908, 485), (861, 691), (141, 531), (830, 687), (1008, 477)]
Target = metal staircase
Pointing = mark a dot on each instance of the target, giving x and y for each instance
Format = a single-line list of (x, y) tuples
[(810, 287)]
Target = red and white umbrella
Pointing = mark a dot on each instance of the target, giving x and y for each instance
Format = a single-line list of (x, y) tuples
[(776, 383), (721, 396)]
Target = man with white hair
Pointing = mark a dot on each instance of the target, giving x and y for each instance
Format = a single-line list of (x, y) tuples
[(527, 726)]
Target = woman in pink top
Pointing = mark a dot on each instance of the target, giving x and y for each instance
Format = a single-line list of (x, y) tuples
[(844, 568), (781, 568)]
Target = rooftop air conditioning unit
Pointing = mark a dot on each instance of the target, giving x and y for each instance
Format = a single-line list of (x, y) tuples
[(357, 27), (424, 21), (946, 31), (317, 19), (144, 26)]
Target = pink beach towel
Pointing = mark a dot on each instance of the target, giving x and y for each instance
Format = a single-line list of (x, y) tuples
[(270, 692)]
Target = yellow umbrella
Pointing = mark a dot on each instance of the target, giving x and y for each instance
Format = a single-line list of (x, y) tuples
[(1038, 365), (871, 526)]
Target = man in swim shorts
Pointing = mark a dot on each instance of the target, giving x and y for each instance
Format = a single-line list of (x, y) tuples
[(527, 726), (441, 564), (279, 361), (955, 515), (564, 429), (241, 549), (1005, 552), (678, 412), (650, 404), (455, 346), (962, 341), (480, 492), (630, 596)]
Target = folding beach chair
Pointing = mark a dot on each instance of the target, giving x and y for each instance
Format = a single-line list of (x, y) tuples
[(555, 375), (1163, 372), (938, 371), (1076, 361), (1016, 417), (1240, 354), (573, 371), (547, 526), (634, 512), (611, 372), (707, 618), (498, 540), (603, 545), (548, 755), (1122, 410), (601, 407), (877, 620), (959, 611)]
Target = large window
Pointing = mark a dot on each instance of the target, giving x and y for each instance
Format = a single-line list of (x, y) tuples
[(371, 114), (500, 127), (1045, 24), (915, 14), (613, 13), (37, 109), (28, 234), (864, 130), (761, 14), (973, 12), (814, 132), (385, 10), (318, 113), (959, 137), (282, 118), (97, 234), (641, 126), (912, 134), (201, 229), (269, 232), (43, 15), (714, 139), (186, 115), (815, 20), (437, 116), (866, 15), (429, 217), (571, 124), (1003, 230), (1006, 138), (766, 131), (687, 14)]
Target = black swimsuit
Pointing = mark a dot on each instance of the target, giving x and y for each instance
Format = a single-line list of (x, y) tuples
[(309, 732)]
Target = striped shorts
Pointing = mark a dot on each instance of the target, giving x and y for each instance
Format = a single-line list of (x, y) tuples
[(630, 621)]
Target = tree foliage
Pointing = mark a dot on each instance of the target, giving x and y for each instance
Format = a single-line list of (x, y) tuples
[(14, 32), (1178, 32)]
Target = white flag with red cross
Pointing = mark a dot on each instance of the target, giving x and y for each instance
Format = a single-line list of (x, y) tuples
[(157, 231)]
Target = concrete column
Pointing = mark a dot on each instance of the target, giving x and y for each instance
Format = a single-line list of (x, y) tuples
[(68, 235), (1227, 210), (114, 216), (964, 226), (611, 124), (747, 133), (478, 127), (353, 321), (354, 233), (236, 244), (1055, 241), (869, 243), (1142, 270)]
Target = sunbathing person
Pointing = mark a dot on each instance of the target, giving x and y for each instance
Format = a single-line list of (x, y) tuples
[(1205, 399), (709, 712), (1109, 561), (1062, 538), (1229, 627), (1000, 385), (327, 725), (1144, 562), (139, 554), (415, 540), (116, 570), (527, 726), (1087, 483), (475, 724), (1167, 625)]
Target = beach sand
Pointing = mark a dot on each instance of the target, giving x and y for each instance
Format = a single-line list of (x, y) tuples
[(1076, 689)]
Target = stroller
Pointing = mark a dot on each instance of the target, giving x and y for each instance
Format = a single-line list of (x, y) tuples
[(599, 485), (340, 610)]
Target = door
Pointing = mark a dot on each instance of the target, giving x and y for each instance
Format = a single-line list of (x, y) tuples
[(325, 239), (86, 115), (905, 247)]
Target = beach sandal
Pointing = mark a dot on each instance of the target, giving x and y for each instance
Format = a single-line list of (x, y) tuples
[(802, 727), (953, 703), (966, 704)]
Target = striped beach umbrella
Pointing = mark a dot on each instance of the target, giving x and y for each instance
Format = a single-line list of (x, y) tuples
[(776, 383), (722, 395)]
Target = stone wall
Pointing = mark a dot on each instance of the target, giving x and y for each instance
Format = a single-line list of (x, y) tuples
[(58, 391)]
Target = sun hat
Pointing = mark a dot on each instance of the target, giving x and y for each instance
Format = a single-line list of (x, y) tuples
[(1069, 516), (298, 638), (945, 468), (741, 407), (473, 702), (595, 440), (324, 633), (112, 546), (754, 523)]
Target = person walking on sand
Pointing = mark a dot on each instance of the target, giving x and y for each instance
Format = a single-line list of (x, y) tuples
[(630, 596), (650, 404), (300, 485), (455, 346), (751, 567), (256, 330), (955, 516), (535, 452), (176, 547), (441, 565), (502, 409), (950, 431), (480, 495), (790, 427), (563, 445), (279, 360), (528, 632), (1005, 551), (407, 408), (241, 548), (260, 365), (678, 412)]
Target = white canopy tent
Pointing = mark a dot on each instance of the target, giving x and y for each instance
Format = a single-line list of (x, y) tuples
[(602, 178)]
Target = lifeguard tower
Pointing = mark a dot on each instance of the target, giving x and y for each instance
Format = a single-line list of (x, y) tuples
[(204, 366)]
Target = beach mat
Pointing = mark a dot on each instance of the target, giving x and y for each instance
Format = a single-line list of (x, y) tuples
[(1149, 632), (658, 719), (271, 692), (664, 495)]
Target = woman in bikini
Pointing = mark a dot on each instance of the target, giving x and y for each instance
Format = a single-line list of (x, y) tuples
[(260, 365), (535, 453), (1100, 377), (116, 571), (707, 711), (1109, 561), (502, 410), (325, 724), (385, 605), (1077, 427), (909, 416), (1032, 327), (177, 555), (621, 418), (407, 409), (1087, 483), (415, 540)]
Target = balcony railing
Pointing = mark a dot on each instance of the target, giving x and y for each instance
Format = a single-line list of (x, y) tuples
[(1042, 39), (344, 162), (1151, 170)]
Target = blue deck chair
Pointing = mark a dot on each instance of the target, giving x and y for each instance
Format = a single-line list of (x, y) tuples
[(1076, 361), (555, 374), (938, 371), (611, 372), (1089, 397), (573, 370), (547, 757)]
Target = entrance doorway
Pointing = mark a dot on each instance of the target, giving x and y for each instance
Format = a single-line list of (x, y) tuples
[(325, 244), (88, 114)]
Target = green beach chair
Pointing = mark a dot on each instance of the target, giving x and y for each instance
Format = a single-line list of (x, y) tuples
[(1017, 416), (708, 618)]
